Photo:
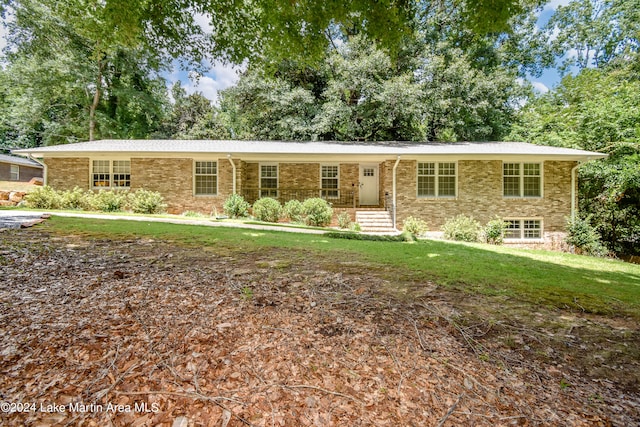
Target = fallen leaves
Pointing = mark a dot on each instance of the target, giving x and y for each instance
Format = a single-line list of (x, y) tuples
[(142, 333)]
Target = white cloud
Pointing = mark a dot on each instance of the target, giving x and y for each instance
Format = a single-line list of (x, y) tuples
[(3, 40), (219, 77), (540, 87), (553, 4)]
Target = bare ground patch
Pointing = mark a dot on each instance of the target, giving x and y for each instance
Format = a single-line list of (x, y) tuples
[(150, 333)]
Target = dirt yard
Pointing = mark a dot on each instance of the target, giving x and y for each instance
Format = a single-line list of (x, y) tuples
[(145, 333)]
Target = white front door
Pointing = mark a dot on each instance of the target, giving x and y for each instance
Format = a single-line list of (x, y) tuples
[(369, 190)]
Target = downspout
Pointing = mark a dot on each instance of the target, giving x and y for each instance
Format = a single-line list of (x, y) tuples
[(574, 179), (395, 167), (44, 168), (233, 165)]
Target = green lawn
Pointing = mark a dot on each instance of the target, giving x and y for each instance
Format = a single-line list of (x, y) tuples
[(537, 277)]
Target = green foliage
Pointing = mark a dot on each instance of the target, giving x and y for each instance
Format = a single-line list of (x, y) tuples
[(146, 202), (415, 226), (193, 214), (294, 210), (494, 231), (584, 237), (317, 212), (109, 200), (462, 228), (267, 209), (236, 206), (344, 220), (402, 237), (43, 198)]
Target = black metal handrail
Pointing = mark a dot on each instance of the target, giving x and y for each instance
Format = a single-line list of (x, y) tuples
[(338, 198)]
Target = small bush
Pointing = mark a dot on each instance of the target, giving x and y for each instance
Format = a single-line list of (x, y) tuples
[(294, 211), (109, 201), (75, 199), (146, 202), (236, 206), (584, 237), (494, 231), (462, 228), (192, 214), (43, 198), (403, 237), (344, 220), (317, 212), (267, 209), (415, 226)]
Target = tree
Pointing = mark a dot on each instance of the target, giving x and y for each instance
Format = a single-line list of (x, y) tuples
[(597, 110), (93, 79)]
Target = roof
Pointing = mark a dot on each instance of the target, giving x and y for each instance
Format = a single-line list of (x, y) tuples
[(265, 148), (19, 161)]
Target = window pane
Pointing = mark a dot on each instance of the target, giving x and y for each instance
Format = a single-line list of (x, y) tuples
[(14, 173), (446, 186), (101, 173), (532, 229), (531, 169), (426, 186), (206, 179), (447, 169), (532, 186), (329, 171), (511, 169), (511, 186), (513, 229), (426, 169), (269, 171)]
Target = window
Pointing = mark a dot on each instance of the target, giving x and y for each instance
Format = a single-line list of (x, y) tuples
[(522, 180), (437, 179), (268, 180), (14, 173), (523, 229), (111, 174), (330, 180), (206, 178)]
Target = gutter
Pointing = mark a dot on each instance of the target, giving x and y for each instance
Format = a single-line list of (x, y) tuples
[(395, 167), (45, 168), (233, 165)]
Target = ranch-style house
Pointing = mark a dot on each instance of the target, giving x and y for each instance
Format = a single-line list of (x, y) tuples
[(532, 187)]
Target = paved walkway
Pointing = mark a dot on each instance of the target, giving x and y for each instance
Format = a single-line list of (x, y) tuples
[(14, 218)]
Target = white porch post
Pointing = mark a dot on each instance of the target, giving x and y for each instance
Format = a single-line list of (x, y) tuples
[(395, 167)]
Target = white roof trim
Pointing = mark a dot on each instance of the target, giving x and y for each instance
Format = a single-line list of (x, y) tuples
[(317, 149)]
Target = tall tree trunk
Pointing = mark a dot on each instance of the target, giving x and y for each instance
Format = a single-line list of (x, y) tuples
[(96, 101)]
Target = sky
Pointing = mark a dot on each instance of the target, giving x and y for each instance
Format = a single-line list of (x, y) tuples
[(221, 76)]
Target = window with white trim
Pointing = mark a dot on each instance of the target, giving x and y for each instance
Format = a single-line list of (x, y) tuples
[(330, 178), (437, 179), (206, 178), (268, 180), (523, 229), (522, 179), (14, 173), (111, 174)]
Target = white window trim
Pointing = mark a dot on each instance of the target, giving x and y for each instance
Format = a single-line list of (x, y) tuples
[(216, 175), (522, 239), (337, 177), (260, 165), (521, 176), (110, 160), (436, 168), (16, 173)]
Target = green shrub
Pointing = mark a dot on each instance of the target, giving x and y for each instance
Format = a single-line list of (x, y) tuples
[(344, 220), (109, 200), (494, 231), (415, 226), (267, 209), (146, 202), (317, 212), (294, 211), (584, 237), (236, 206), (43, 198), (192, 214), (403, 237), (462, 228), (75, 199)]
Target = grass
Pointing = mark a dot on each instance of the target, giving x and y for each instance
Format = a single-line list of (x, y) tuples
[(17, 186), (537, 277)]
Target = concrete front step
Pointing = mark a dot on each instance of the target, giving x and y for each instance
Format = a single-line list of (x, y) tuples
[(375, 221)]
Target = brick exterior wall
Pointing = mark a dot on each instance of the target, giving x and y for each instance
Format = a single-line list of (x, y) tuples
[(480, 195), (479, 185), (25, 172), (174, 179), (67, 173)]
